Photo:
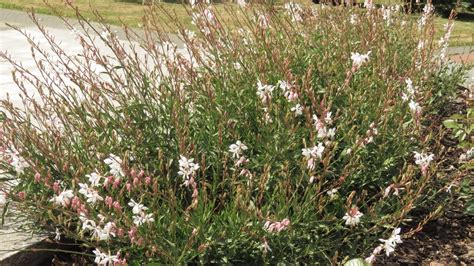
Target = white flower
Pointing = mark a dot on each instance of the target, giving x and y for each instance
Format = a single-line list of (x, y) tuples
[(264, 91), (137, 207), (467, 156), (428, 9), (311, 154), (17, 162), (57, 236), (237, 149), (263, 22), (359, 59), (86, 223), (187, 167), (266, 248), (421, 45), (423, 160), (323, 132), (353, 20), (314, 152), (332, 193), (64, 198), (295, 11), (91, 195), (284, 85), (106, 233), (297, 109), (370, 259), (209, 15), (104, 259), (328, 118), (318, 124), (405, 97), (368, 4), (115, 164), (390, 244), (143, 219), (387, 14), (410, 88), (348, 151), (242, 3), (189, 34), (237, 66), (414, 107), (331, 133), (352, 217), (94, 179)]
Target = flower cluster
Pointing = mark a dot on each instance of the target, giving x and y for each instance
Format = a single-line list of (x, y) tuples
[(352, 217), (321, 126), (64, 198), (444, 41), (115, 164), (295, 11), (359, 59), (187, 169), (139, 215), (396, 188), (264, 91), (312, 154), (388, 245), (276, 227), (18, 163), (423, 160), (387, 13), (107, 259), (91, 194), (428, 10), (206, 160)]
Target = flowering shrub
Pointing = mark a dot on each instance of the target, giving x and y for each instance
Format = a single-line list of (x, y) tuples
[(301, 135)]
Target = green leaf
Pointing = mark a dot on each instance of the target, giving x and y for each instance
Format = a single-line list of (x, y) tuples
[(356, 262), (470, 207), (449, 123)]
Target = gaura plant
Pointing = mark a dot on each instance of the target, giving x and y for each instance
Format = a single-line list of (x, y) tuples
[(297, 134)]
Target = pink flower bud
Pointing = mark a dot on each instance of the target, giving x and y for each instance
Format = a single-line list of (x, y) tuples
[(22, 195), (285, 222), (37, 177), (116, 183), (108, 201), (56, 186), (377, 250), (83, 209), (129, 187), (148, 180), (75, 203), (370, 259), (141, 174), (120, 232), (109, 180), (136, 181), (117, 206), (132, 234)]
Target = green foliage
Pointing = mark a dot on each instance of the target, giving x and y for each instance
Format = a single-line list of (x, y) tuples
[(275, 196)]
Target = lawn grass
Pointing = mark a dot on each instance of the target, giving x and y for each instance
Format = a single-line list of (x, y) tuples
[(130, 12)]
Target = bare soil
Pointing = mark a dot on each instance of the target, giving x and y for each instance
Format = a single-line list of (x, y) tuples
[(448, 240)]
